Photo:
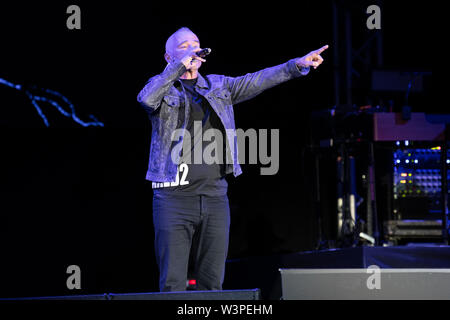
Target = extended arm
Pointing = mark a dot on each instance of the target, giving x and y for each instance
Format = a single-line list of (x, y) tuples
[(250, 85)]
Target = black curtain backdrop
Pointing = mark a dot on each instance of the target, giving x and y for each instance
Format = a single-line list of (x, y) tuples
[(74, 195)]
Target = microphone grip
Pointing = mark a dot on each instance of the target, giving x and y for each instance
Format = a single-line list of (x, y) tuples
[(203, 53)]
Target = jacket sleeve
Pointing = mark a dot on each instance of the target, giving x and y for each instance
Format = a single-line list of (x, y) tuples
[(157, 87), (246, 87)]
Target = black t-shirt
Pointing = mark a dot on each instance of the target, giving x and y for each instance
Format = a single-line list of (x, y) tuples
[(193, 178)]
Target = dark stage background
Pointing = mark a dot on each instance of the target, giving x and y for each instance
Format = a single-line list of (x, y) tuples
[(75, 195)]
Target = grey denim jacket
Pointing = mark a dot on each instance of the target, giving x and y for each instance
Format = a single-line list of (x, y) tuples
[(162, 101)]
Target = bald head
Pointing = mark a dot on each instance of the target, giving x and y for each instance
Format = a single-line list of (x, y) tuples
[(182, 44), (178, 38)]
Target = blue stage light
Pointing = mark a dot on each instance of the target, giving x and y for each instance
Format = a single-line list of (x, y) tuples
[(34, 99)]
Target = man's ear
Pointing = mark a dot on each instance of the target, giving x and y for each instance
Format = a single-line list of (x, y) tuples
[(167, 57)]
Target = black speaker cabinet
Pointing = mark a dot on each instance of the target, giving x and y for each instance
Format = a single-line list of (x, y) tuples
[(372, 283)]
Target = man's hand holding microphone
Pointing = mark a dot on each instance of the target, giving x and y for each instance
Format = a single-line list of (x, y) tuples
[(193, 55)]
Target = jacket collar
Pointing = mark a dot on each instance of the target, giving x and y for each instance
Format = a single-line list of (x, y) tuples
[(201, 82)]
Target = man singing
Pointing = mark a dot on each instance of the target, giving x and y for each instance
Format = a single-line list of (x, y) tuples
[(191, 214)]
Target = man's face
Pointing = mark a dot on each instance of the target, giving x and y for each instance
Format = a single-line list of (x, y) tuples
[(181, 44)]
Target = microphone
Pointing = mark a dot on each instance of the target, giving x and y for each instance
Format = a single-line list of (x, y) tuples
[(203, 53)]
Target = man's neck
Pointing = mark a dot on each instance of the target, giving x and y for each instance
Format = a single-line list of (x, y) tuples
[(190, 74)]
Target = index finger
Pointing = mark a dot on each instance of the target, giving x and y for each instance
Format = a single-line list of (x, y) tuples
[(319, 51)]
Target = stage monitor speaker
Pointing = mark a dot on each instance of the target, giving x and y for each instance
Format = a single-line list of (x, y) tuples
[(372, 283)]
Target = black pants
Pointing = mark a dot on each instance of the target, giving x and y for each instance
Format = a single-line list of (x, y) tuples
[(191, 228)]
